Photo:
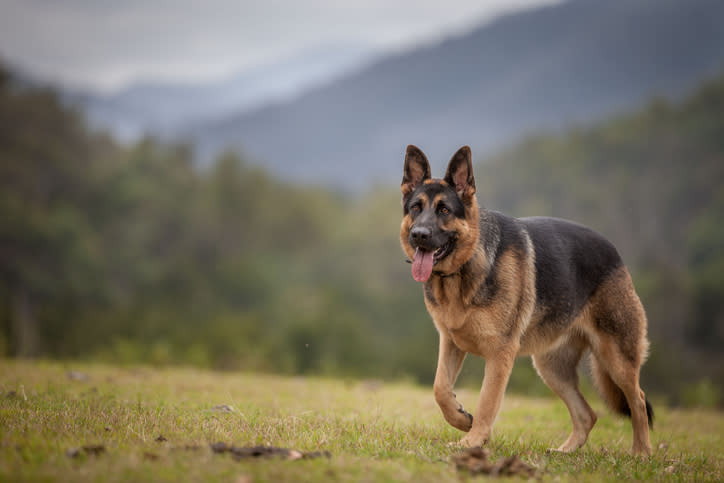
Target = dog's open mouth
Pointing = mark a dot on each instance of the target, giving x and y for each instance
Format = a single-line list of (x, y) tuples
[(425, 259), (443, 251)]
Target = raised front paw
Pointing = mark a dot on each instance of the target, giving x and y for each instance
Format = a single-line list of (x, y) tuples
[(453, 411), (466, 421), (459, 418)]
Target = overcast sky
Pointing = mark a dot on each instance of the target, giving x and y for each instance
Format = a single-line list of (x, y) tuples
[(106, 44)]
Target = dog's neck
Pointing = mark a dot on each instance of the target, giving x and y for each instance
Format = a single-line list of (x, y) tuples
[(485, 247), (489, 229)]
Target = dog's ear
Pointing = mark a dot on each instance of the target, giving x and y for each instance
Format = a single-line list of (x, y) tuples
[(460, 173), (417, 170)]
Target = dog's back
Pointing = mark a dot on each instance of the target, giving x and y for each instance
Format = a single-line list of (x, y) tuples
[(571, 262)]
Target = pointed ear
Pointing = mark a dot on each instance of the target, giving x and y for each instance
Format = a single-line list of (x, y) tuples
[(460, 173), (417, 170)]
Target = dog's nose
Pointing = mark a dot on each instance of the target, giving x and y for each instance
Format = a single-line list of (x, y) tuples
[(420, 234)]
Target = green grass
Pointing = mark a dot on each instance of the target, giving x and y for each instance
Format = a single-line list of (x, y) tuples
[(374, 431)]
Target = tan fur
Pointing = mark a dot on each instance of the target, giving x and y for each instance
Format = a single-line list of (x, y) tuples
[(616, 359), (619, 353), (510, 324), (480, 332)]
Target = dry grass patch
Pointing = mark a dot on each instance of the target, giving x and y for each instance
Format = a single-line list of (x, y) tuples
[(83, 422)]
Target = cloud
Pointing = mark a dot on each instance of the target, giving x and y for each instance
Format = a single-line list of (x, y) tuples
[(106, 44)]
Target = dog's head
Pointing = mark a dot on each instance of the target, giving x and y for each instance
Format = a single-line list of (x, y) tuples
[(439, 229)]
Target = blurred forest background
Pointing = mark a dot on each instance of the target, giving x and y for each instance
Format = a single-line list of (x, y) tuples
[(135, 251), (131, 254)]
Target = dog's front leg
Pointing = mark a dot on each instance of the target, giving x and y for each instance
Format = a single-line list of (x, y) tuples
[(450, 361), (497, 373)]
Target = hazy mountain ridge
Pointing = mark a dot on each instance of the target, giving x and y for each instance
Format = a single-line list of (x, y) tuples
[(536, 70), (163, 108)]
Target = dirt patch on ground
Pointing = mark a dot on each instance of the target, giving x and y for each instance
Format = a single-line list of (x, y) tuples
[(239, 453), (476, 461)]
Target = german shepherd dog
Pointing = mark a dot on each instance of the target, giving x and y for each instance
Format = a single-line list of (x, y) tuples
[(500, 287)]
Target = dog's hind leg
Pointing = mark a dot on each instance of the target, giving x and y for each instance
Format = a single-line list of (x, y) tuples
[(450, 361), (557, 368), (619, 345), (625, 374)]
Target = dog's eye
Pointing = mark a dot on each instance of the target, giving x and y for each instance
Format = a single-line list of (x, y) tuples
[(444, 210), (415, 208)]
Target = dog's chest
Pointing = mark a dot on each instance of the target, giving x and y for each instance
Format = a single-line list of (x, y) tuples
[(447, 316), (467, 325), (445, 302)]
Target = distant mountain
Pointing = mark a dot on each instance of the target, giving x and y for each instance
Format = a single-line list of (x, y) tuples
[(162, 108), (540, 69)]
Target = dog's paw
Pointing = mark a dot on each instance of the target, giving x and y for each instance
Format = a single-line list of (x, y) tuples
[(563, 449), (555, 451), (467, 422), (473, 441)]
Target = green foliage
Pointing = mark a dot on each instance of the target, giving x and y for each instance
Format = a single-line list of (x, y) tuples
[(702, 394), (133, 254)]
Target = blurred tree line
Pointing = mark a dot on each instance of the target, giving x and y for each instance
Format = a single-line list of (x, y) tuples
[(134, 254), (653, 183)]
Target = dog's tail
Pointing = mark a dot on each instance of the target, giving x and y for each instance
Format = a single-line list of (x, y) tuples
[(612, 395)]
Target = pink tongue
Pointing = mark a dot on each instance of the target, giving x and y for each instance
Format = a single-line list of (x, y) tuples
[(422, 265)]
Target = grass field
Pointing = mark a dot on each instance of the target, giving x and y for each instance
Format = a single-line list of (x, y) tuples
[(143, 424)]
